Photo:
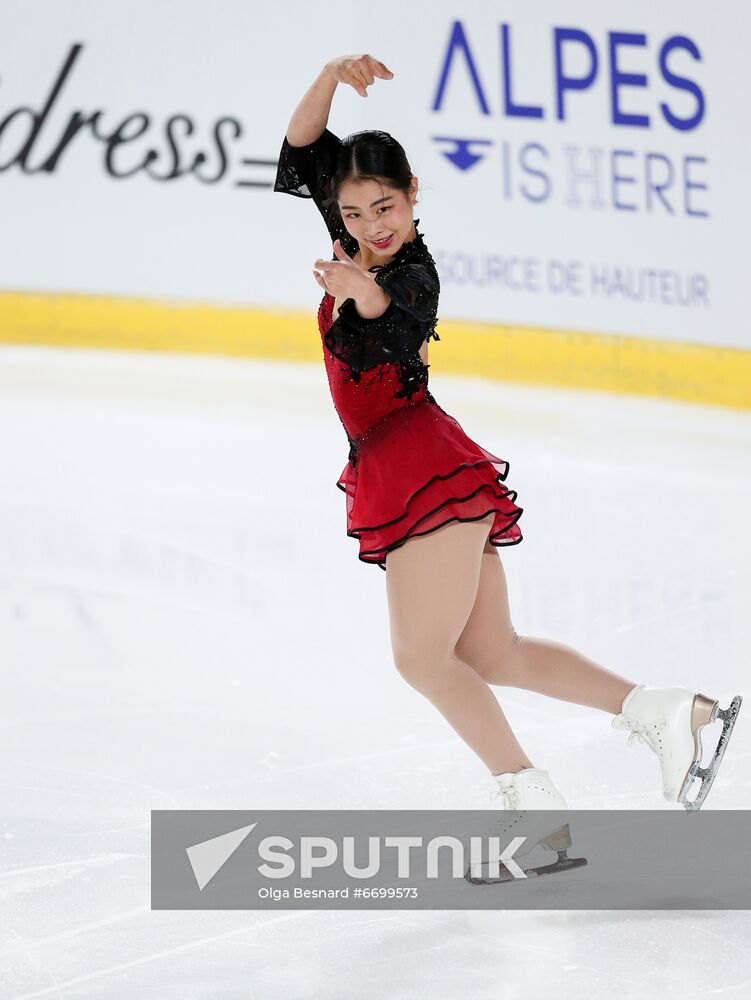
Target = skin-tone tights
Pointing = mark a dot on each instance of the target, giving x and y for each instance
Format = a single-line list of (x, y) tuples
[(452, 637)]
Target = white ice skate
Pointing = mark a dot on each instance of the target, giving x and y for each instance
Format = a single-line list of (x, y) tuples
[(528, 796), (669, 721)]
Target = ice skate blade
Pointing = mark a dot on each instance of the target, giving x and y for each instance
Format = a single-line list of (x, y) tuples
[(707, 774), (562, 864)]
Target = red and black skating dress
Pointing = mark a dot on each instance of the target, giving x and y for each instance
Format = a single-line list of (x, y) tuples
[(411, 467)]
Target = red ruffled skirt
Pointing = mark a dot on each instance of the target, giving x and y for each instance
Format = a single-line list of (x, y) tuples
[(416, 470)]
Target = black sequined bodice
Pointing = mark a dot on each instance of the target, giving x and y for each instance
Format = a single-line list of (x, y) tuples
[(373, 365)]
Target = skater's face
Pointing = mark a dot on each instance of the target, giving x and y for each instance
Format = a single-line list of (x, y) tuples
[(378, 216)]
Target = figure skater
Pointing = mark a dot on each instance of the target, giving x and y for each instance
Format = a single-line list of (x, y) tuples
[(428, 504)]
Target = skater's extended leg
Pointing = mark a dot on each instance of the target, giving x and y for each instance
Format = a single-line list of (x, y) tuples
[(490, 644), (431, 584)]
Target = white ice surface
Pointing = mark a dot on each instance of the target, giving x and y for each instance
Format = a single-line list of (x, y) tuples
[(185, 624)]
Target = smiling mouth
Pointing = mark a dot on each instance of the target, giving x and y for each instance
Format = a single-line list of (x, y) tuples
[(382, 243)]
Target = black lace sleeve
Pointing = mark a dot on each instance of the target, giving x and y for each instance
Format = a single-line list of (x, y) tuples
[(396, 336), (305, 171)]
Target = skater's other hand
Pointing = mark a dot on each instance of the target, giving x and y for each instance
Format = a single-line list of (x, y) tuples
[(341, 277), (358, 71)]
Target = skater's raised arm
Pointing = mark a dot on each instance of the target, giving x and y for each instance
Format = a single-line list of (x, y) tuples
[(309, 152), (311, 115)]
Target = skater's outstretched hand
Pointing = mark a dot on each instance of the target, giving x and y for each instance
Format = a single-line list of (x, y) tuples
[(358, 71), (342, 278)]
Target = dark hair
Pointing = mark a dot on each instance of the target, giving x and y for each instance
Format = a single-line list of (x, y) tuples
[(369, 155)]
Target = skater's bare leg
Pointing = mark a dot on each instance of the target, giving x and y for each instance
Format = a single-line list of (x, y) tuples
[(431, 585), (492, 647)]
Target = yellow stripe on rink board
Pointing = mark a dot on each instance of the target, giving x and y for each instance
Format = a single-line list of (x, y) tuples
[(643, 366), (605, 362), (67, 320)]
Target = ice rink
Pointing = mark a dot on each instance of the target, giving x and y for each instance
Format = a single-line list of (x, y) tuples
[(185, 624)]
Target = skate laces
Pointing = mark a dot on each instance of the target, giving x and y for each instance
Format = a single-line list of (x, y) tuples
[(506, 790), (641, 731)]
